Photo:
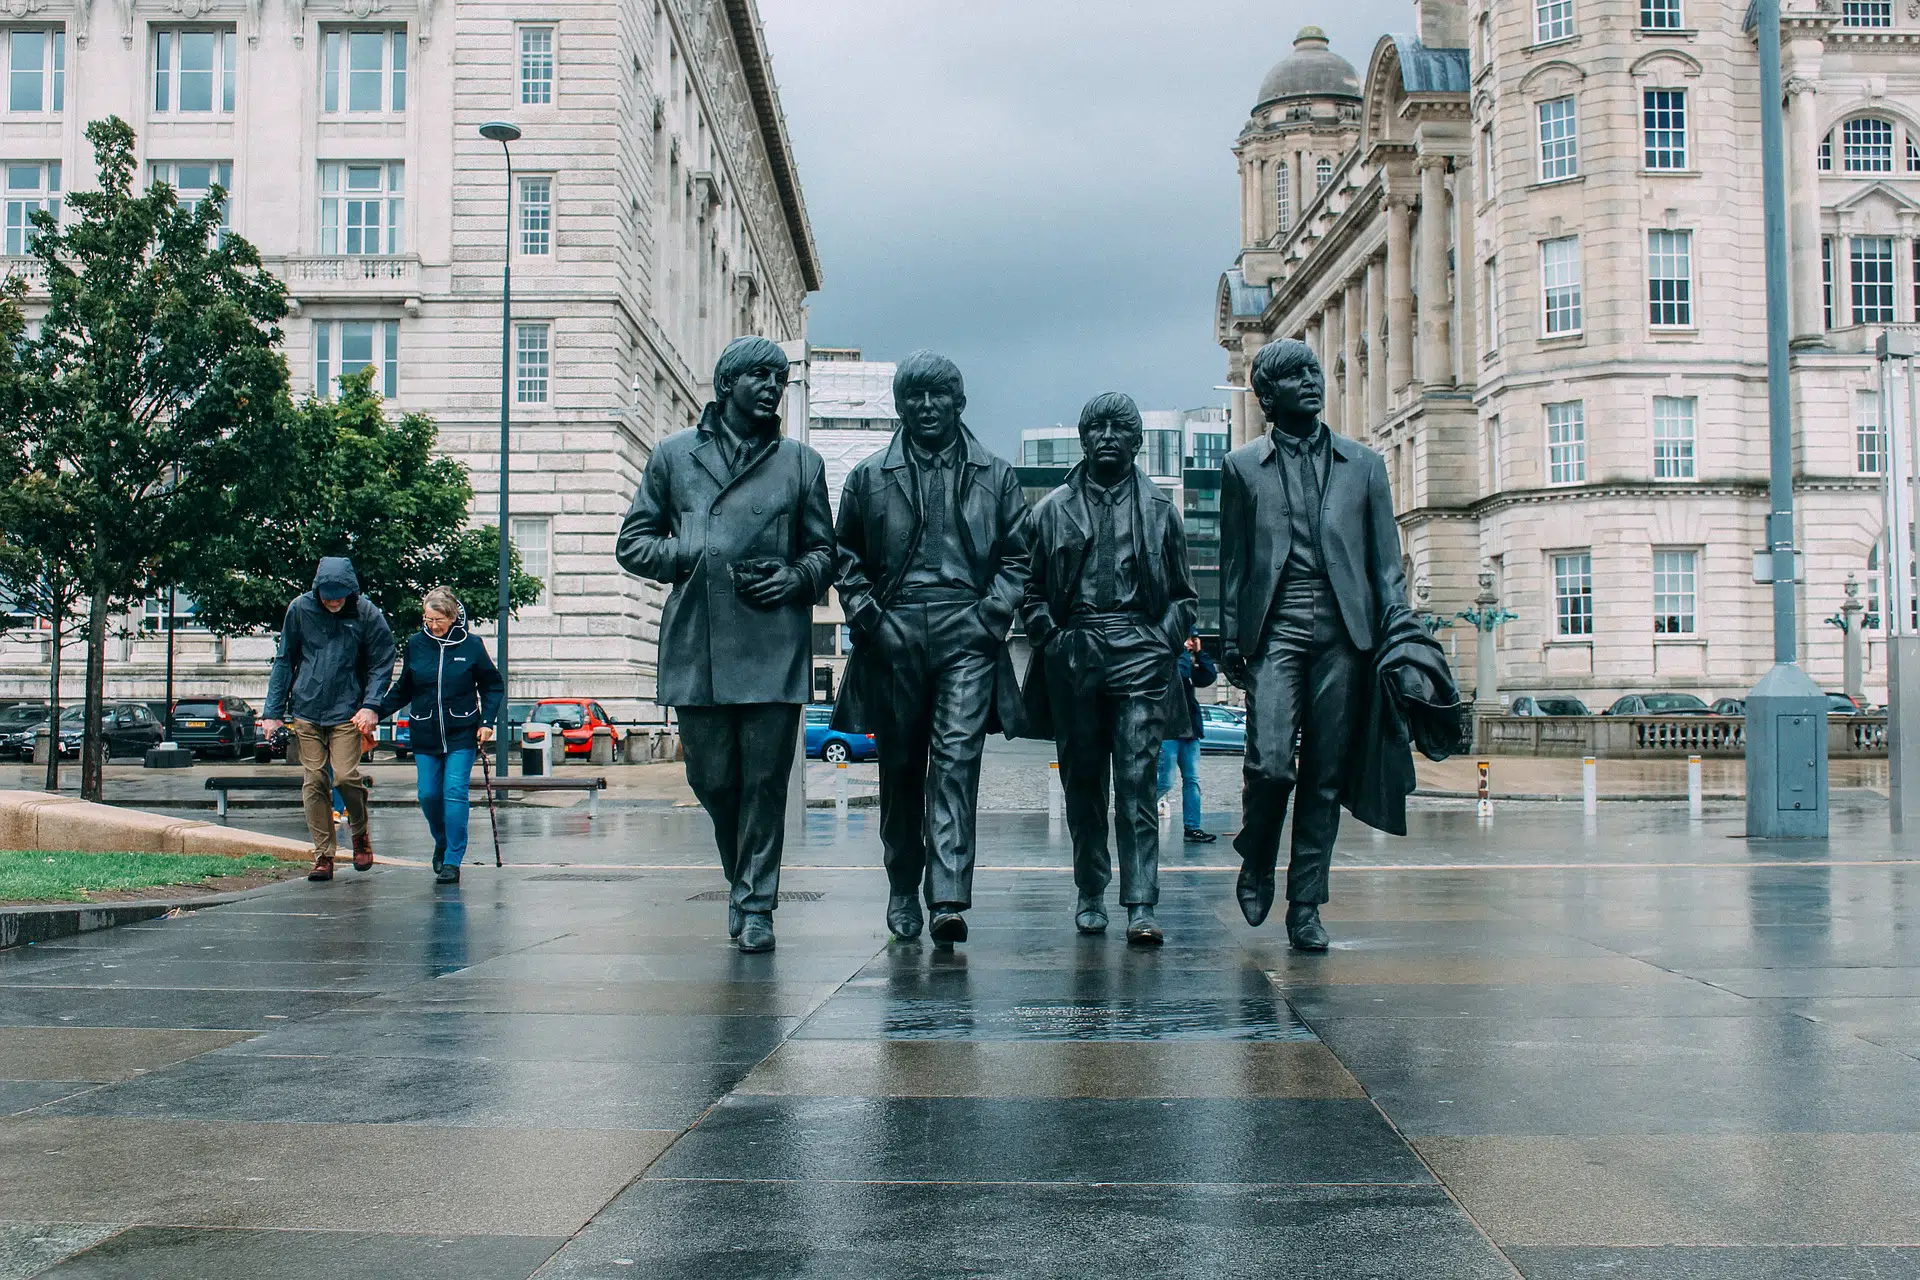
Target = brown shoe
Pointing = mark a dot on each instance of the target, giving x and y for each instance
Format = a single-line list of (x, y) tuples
[(322, 867), (362, 851)]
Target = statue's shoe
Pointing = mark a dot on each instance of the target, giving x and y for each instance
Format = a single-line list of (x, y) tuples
[(1304, 929), (903, 915), (1255, 891)]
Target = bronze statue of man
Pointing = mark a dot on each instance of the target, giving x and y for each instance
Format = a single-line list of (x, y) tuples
[(1107, 608), (932, 560), (1311, 586), (735, 516)]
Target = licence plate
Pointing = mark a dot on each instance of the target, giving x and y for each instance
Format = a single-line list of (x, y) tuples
[(196, 724)]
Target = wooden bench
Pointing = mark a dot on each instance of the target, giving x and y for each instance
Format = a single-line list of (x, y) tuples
[(221, 784)]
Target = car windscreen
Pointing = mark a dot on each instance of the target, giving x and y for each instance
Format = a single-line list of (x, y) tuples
[(1657, 702), (1562, 707), (195, 710), (564, 714), (22, 715)]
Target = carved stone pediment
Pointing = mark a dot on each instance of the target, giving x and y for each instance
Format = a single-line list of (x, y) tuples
[(1552, 80), (18, 9)]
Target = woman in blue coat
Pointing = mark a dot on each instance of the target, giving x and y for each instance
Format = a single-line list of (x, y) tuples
[(454, 692)]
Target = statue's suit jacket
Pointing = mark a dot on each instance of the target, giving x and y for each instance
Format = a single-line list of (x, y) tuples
[(878, 532), (1359, 542), (1062, 534), (690, 521)]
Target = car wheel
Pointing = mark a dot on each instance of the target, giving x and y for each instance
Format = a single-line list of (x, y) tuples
[(835, 753)]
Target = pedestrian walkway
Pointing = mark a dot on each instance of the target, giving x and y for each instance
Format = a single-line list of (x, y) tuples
[(1565, 1048)]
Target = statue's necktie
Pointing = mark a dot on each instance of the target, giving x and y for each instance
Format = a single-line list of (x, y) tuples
[(936, 531), (1106, 594)]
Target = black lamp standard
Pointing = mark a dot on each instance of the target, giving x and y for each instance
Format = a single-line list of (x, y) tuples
[(504, 132)]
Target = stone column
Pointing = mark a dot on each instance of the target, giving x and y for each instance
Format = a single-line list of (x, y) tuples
[(1311, 336), (1332, 339), (1436, 361), (1853, 679), (1803, 211), (1466, 278), (1376, 340), (1399, 292), (1249, 217), (1354, 395)]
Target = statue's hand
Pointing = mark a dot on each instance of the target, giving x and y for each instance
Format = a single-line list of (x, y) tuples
[(1234, 668)]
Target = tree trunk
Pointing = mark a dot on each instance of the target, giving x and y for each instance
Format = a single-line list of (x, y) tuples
[(93, 746), (53, 696)]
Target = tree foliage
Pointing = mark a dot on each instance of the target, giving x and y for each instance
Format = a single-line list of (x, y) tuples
[(345, 480)]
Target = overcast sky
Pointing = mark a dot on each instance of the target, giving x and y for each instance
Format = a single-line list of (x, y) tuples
[(1041, 189)]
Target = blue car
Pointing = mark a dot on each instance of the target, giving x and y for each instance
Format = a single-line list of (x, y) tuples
[(824, 742), (1223, 729)]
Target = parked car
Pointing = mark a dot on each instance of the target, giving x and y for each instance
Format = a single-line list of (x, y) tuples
[(222, 726), (130, 729), (1729, 706), (824, 742), (1844, 704), (15, 721), (1659, 704), (1547, 704), (517, 713), (396, 734), (574, 719), (1223, 730)]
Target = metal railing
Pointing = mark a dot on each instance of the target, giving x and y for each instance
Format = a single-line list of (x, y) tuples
[(1617, 737)]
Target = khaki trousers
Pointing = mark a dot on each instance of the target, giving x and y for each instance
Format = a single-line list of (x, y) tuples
[(335, 746)]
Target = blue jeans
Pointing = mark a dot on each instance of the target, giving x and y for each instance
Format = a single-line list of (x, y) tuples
[(441, 782), (1188, 754)]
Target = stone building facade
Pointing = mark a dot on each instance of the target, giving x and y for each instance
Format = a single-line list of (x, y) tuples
[(1534, 273), (655, 214)]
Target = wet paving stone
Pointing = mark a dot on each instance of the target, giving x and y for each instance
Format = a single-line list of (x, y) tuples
[(524, 1037), (1778, 1262), (175, 1009), (1062, 1019), (29, 1248), (189, 1253)]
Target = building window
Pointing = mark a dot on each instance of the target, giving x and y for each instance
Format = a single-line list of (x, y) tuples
[(1491, 339), (1673, 437), (530, 363), (1567, 443), (1826, 154), (1559, 147), (341, 347), (1573, 594), (1489, 172), (1826, 281), (1866, 146), (1492, 446), (1322, 173), (536, 66), (1913, 155), (1673, 593), (193, 71), (31, 189), (1283, 198), (36, 69), (1872, 262), (1660, 15), (1209, 450), (1560, 284), (1869, 441), (154, 614), (1664, 113), (1670, 278), (362, 209), (364, 70), (536, 217), (532, 537), (1866, 13), (1552, 20), (194, 180)]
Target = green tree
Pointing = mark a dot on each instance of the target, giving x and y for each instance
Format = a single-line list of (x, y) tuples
[(155, 367), (348, 481)]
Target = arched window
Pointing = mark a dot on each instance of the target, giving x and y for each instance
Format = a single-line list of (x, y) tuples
[(1322, 173), (1826, 154), (1283, 198), (1866, 145)]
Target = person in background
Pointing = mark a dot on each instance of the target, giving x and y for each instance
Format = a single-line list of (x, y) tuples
[(1196, 670), (332, 668), (453, 690)]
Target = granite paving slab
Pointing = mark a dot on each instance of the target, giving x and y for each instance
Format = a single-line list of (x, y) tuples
[(198, 1253)]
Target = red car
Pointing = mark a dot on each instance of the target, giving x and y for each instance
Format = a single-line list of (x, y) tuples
[(574, 719)]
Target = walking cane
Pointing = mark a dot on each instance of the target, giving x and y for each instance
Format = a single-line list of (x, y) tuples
[(486, 778)]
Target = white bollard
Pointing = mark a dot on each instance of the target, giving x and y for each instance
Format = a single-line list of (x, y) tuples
[(1056, 798), (1694, 796), (840, 792), (1590, 784)]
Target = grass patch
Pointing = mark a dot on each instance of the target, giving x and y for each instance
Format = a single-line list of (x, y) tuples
[(28, 875)]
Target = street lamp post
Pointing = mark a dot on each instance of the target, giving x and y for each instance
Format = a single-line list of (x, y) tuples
[(504, 132)]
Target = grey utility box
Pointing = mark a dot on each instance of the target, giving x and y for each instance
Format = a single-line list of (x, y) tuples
[(1786, 757)]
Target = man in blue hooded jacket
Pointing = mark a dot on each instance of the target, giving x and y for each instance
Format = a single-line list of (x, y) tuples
[(333, 667)]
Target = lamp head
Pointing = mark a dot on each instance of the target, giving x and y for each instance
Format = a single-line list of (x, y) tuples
[(500, 131)]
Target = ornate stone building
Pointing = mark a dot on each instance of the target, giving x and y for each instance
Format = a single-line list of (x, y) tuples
[(1534, 274), (655, 214)]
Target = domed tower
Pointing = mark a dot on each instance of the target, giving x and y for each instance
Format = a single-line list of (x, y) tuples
[(1305, 122)]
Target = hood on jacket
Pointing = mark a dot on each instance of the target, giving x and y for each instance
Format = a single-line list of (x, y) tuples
[(456, 634), (335, 579)]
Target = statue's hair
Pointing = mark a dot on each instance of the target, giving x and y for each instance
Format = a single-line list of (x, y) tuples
[(744, 355), (1278, 359), (1111, 404), (927, 369)]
